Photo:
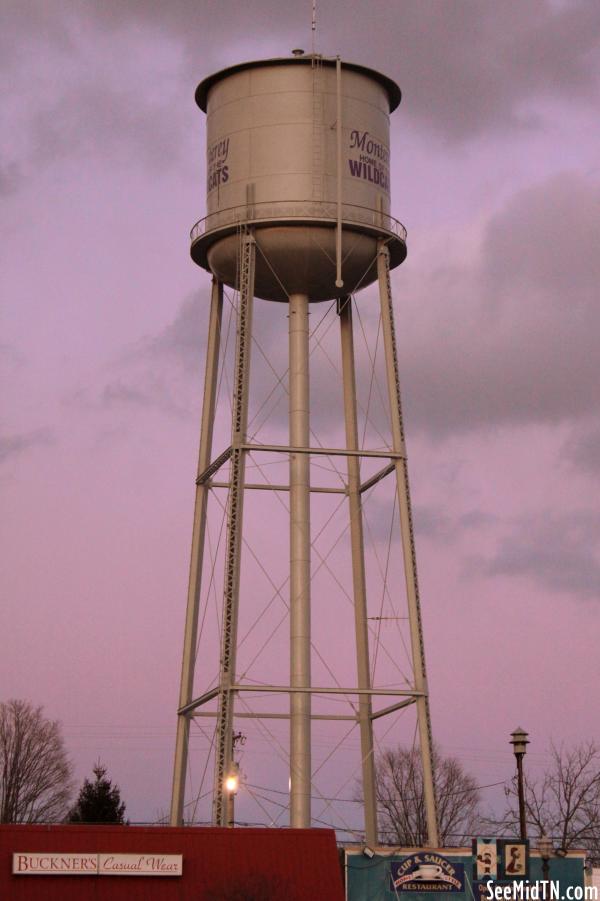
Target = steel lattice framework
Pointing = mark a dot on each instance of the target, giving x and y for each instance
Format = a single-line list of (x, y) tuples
[(300, 688)]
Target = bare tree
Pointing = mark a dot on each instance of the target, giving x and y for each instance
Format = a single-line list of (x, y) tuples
[(35, 772), (401, 798), (564, 804)]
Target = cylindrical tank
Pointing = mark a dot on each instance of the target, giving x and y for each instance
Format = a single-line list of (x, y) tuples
[(273, 158)]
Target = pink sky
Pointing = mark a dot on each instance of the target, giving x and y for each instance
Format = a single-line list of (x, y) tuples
[(495, 173)]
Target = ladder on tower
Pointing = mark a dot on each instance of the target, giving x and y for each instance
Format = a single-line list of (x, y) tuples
[(318, 154)]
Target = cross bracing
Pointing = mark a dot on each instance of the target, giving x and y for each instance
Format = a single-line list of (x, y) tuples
[(358, 492)]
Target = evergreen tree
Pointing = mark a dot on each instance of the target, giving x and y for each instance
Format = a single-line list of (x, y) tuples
[(99, 801)]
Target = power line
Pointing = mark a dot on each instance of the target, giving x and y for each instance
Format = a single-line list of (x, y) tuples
[(462, 791)]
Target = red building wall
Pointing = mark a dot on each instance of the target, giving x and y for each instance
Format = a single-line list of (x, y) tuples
[(218, 864)]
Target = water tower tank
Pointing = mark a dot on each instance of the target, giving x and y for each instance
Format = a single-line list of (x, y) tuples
[(299, 148)]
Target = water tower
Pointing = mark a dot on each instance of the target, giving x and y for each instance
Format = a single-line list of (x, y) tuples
[(298, 213)]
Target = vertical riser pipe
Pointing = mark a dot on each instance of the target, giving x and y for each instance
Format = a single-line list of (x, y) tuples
[(300, 706)]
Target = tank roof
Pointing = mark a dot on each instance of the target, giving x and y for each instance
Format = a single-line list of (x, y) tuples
[(393, 91)]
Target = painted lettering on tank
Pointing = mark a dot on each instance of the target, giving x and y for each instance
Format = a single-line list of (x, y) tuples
[(217, 168), (369, 159)]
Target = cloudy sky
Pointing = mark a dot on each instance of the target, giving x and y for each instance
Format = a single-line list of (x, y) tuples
[(496, 174)]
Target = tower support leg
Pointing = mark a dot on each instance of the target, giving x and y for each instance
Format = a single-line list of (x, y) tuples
[(358, 572), (233, 552), (300, 705), (197, 554), (408, 542)]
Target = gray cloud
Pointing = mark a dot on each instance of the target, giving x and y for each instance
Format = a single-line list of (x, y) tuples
[(11, 178), (117, 393), (466, 67), (30, 22), (489, 60), (560, 553), (160, 372), (377, 516), (431, 522), (507, 339), (178, 352), (476, 519), (512, 338), (77, 93), (493, 60), (133, 390), (17, 444), (10, 357), (583, 449), (97, 120), (184, 338)]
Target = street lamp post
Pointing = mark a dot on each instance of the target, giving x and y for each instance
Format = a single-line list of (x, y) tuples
[(545, 849), (519, 741)]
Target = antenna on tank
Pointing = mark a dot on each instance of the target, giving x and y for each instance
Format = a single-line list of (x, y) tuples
[(313, 25)]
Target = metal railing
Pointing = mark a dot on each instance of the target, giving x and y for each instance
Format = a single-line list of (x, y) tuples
[(300, 210)]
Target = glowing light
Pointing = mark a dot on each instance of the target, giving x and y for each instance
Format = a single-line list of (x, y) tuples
[(231, 783)]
